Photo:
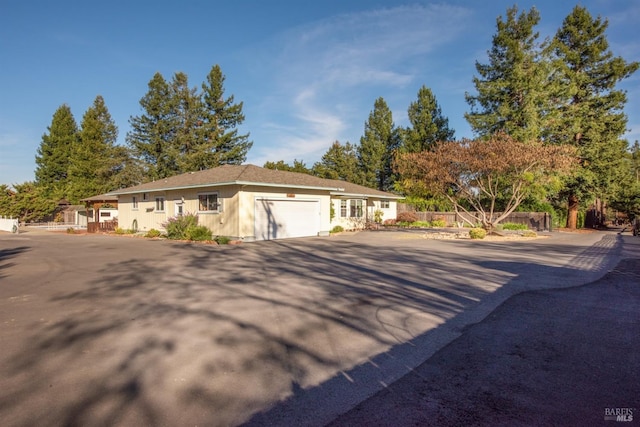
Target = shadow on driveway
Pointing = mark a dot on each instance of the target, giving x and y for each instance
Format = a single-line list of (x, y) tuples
[(169, 333)]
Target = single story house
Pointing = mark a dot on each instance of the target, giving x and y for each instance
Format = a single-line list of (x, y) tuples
[(247, 202)]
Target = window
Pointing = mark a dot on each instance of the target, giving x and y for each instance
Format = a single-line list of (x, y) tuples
[(356, 208), (208, 202), (159, 204), (105, 214), (351, 208), (134, 200), (343, 208), (145, 197), (384, 204)]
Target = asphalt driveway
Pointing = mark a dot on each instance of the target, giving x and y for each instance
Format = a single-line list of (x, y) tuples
[(113, 330)]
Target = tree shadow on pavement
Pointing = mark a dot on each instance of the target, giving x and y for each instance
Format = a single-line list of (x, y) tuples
[(6, 254), (213, 335)]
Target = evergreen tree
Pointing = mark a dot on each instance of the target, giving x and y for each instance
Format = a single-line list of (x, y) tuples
[(428, 125), (7, 201), (591, 115), (182, 130), (54, 153), (378, 147), (513, 87), (339, 162), (222, 144), (298, 166), (94, 163), (153, 133), (627, 196), (188, 115), (31, 203)]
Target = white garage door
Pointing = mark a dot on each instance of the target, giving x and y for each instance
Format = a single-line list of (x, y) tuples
[(280, 219)]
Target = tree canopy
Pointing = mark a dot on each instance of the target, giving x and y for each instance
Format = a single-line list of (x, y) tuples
[(591, 116), (55, 152), (298, 166), (183, 129), (428, 124), (512, 87), (474, 174), (378, 147), (93, 161), (339, 162)]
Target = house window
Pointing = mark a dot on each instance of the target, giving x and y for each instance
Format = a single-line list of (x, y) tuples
[(384, 204), (208, 202), (356, 208), (134, 201), (351, 208), (145, 197), (159, 204)]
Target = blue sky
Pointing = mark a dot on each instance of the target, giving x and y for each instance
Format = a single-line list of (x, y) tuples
[(308, 73)]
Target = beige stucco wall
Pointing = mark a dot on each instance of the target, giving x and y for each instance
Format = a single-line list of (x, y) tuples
[(224, 223), (237, 218), (372, 204)]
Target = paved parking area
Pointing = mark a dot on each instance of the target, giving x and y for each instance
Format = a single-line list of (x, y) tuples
[(115, 330)]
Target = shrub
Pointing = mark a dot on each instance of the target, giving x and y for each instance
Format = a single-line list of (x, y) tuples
[(477, 233), (177, 226), (70, 230), (377, 216), (222, 240), (514, 226), (153, 233), (407, 217), (389, 222), (337, 229), (529, 233), (198, 233), (119, 230), (421, 224), (439, 223)]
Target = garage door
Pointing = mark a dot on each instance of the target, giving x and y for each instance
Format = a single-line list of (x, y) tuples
[(280, 219)]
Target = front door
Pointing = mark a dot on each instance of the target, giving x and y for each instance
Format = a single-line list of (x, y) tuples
[(178, 207)]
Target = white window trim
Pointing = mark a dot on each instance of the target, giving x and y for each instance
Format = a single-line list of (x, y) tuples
[(218, 202), (352, 204), (164, 204)]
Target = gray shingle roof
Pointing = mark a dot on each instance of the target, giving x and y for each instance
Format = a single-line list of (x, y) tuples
[(251, 174)]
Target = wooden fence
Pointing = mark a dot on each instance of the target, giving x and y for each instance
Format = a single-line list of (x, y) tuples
[(538, 221), (100, 227)]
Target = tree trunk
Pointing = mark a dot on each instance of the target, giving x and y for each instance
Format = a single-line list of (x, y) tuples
[(572, 212)]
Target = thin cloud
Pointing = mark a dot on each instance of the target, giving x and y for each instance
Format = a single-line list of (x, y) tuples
[(322, 71)]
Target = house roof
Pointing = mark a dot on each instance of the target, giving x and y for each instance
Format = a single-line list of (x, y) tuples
[(110, 197), (253, 175)]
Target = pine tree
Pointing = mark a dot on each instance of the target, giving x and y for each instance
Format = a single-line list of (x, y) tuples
[(512, 88), (339, 162), (591, 116), (188, 115), (222, 144), (378, 147), (54, 153), (93, 162), (182, 130), (152, 133), (428, 125), (298, 166)]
